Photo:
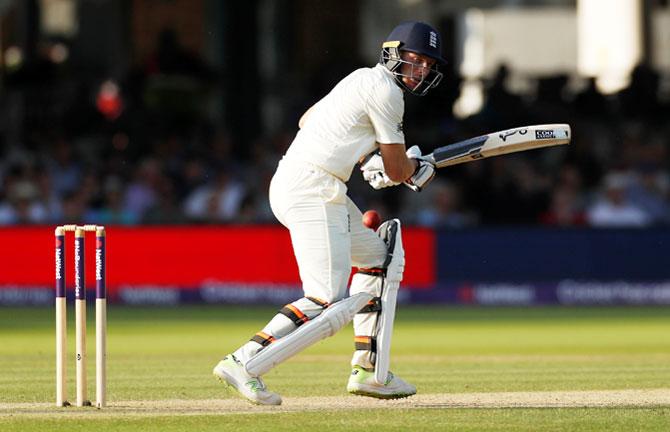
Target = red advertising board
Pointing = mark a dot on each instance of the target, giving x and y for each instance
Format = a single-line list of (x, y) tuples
[(183, 256)]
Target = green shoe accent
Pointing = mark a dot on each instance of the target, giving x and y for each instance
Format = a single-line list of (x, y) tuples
[(360, 375), (231, 372), (254, 385), (362, 383), (363, 375)]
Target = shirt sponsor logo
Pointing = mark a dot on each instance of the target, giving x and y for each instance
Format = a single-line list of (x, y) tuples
[(544, 134), (399, 127)]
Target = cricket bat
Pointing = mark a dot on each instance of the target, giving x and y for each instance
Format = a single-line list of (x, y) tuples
[(500, 143)]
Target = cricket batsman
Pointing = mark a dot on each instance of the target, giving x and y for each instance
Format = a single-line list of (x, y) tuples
[(362, 115)]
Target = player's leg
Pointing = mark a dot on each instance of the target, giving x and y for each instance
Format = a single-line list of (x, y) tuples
[(380, 258), (232, 368), (322, 247), (320, 239), (312, 206), (368, 250)]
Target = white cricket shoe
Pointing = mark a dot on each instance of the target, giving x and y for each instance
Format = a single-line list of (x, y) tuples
[(362, 382), (232, 372)]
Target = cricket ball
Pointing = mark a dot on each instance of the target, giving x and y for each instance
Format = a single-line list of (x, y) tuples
[(372, 220)]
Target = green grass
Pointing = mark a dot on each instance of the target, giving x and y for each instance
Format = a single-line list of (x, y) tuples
[(518, 420), (159, 354)]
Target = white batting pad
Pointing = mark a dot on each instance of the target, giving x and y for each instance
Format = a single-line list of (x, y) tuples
[(394, 272), (365, 323), (391, 233), (385, 331), (327, 324)]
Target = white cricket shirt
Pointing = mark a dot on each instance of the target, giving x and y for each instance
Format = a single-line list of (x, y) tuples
[(363, 109)]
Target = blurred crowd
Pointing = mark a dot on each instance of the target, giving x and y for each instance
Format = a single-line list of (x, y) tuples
[(144, 150), (613, 174)]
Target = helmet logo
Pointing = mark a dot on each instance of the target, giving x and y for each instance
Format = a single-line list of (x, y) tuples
[(433, 39), (418, 39)]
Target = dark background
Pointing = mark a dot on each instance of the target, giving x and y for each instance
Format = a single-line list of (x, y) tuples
[(177, 111)]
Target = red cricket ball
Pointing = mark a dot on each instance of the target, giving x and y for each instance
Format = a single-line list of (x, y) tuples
[(372, 220)]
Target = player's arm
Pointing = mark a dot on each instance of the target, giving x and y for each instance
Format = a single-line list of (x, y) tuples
[(304, 117), (397, 165), (393, 165)]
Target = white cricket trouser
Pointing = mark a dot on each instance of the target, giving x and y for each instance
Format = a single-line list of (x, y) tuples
[(328, 237), (326, 228)]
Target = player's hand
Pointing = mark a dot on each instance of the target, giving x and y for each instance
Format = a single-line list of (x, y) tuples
[(373, 172), (424, 173), (379, 180)]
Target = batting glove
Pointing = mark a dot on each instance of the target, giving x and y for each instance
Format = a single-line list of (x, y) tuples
[(373, 172), (424, 173)]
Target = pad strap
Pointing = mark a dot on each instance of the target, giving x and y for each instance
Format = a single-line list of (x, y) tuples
[(374, 305), (372, 271), (263, 339), (326, 324), (365, 343), (294, 314), (318, 302)]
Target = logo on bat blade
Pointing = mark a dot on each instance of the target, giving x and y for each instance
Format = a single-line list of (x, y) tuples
[(544, 134), (503, 135)]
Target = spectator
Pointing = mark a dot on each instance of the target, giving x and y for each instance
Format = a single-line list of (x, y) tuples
[(47, 196), (640, 99), (218, 201), (74, 208), (565, 209), (590, 103), (64, 170), (22, 206), (613, 209), (113, 211), (444, 208), (167, 209), (141, 192), (159, 156), (648, 190), (502, 107)]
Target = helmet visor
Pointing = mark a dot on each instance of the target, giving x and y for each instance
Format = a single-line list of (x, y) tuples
[(415, 77)]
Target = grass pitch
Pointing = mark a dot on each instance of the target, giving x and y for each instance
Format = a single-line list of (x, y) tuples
[(476, 369)]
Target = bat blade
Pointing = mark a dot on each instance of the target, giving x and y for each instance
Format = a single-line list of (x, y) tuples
[(500, 143)]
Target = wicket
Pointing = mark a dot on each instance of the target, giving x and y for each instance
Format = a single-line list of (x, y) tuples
[(80, 315)]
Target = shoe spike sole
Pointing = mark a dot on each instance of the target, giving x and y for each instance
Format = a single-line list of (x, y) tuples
[(379, 396)]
